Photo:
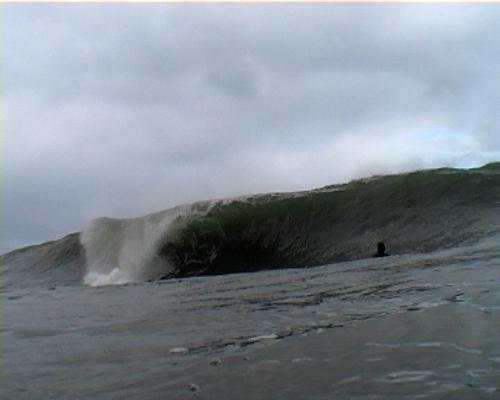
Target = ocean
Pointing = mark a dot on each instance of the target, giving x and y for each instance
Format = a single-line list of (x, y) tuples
[(273, 296)]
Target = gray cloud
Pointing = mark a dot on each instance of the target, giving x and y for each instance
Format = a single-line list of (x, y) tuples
[(121, 110)]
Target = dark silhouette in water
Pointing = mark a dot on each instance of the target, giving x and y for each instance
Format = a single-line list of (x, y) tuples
[(380, 250)]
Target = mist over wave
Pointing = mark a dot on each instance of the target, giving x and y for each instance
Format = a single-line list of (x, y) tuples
[(122, 251)]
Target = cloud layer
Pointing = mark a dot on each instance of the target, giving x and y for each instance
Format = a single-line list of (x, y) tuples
[(121, 110)]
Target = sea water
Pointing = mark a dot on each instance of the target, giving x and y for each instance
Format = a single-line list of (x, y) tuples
[(406, 326)]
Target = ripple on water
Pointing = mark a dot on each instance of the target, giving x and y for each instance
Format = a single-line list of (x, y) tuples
[(477, 372), (451, 345), (302, 359), (408, 376)]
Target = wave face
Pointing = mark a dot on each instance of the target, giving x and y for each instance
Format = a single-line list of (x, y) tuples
[(414, 212)]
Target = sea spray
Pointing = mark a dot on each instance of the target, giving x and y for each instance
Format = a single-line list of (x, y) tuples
[(122, 251)]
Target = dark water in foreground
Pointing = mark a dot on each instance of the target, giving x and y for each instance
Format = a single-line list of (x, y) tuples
[(411, 326)]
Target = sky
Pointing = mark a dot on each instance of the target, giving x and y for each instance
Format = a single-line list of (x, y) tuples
[(120, 110)]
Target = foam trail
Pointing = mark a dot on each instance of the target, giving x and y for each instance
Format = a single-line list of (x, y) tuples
[(121, 251)]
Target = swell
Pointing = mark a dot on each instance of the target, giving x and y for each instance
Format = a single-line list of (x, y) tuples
[(415, 212), (55, 263)]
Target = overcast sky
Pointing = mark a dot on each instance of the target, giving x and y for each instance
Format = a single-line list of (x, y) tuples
[(121, 110)]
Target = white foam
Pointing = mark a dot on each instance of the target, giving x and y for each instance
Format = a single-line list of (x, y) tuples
[(115, 277), (178, 350), (262, 337)]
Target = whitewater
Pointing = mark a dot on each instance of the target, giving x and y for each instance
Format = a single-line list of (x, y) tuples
[(273, 296)]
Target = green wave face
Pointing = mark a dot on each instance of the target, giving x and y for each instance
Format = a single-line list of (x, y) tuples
[(419, 211)]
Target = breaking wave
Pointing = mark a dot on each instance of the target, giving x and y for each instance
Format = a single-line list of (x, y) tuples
[(414, 212)]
